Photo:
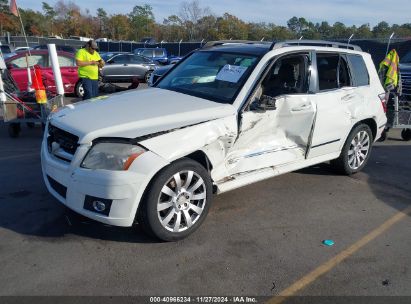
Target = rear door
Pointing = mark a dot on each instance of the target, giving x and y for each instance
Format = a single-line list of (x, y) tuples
[(335, 96), (68, 71), (280, 133), (117, 67), (138, 66)]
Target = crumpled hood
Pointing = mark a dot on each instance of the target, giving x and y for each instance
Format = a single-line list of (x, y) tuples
[(136, 113)]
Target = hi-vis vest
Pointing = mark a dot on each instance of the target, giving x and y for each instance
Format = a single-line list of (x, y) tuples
[(391, 64)]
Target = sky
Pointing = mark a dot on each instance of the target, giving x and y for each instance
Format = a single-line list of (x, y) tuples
[(349, 12)]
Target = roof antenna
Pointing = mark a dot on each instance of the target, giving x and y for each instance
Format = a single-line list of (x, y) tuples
[(349, 40), (262, 39), (301, 38), (389, 42)]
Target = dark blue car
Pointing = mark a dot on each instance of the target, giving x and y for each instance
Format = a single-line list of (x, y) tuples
[(157, 54)]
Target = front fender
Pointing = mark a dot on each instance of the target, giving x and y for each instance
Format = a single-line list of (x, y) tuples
[(213, 137)]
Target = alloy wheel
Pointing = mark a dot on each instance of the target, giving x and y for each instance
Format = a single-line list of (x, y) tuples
[(181, 201), (358, 151)]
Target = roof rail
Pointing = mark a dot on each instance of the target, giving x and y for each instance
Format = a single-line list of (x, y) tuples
[(226, 42), (277, 45)]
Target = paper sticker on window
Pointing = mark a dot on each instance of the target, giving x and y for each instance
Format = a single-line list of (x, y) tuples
[(231, 73)]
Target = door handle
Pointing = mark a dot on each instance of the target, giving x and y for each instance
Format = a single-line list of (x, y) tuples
[(302, 107)]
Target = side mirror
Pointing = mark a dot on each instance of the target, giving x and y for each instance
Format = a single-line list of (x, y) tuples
[(268, 102), (265, 103)]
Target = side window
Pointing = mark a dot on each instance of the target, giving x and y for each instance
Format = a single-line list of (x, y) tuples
[(327, 65), (139, 59), (147, 53), (33, 60), (359, 70), (121, 59), (65, 61), (159, 53), (288, 75)]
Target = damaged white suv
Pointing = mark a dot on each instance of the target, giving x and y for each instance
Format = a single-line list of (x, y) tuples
[(226, 116)]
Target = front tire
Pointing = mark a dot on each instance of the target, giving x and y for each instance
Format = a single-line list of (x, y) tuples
[(355, 152), (147, 76), (177, 201)]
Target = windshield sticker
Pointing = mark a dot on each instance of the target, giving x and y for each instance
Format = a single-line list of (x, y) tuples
[(231, 73)]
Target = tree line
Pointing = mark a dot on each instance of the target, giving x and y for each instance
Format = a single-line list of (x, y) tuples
[(192, 22)]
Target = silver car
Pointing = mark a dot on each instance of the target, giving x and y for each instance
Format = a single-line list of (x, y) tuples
[(125, 67)]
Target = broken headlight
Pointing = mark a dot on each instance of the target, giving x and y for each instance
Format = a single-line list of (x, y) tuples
[(112, 156)]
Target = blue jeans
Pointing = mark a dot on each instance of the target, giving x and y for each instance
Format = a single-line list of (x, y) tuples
[(90, 88)]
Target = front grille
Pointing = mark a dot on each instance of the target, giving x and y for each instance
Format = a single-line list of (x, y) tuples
[(66, 141), (59, 188)]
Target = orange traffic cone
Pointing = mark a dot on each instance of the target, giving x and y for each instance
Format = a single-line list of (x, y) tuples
[(41, 96)]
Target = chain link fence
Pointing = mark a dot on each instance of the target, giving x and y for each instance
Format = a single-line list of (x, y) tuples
[(376, 47)]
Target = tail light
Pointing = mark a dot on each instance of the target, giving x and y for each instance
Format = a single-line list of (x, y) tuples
[(384, 100)]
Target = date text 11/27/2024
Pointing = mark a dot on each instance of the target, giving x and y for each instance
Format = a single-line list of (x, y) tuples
[(201, 299)]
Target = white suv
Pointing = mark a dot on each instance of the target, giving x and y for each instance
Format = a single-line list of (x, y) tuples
[(226, 116)]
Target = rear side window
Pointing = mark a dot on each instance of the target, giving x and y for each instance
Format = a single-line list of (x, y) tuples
[(121, 59), (159, 53), (21, 62), (333, 71), (359, 70)]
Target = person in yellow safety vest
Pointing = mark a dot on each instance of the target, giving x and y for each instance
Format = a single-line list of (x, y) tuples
[(388, 70), (89, 61), (389, 76)]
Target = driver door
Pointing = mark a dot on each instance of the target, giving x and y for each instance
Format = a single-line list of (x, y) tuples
[(276, 128)]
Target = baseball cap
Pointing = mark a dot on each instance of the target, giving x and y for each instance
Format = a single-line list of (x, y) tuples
[(93, 44)]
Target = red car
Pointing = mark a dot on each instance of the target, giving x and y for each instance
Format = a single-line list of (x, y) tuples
[(17, 66)]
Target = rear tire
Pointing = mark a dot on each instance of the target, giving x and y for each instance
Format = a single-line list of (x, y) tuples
[(355, 152), (406, 134), (177, 201)]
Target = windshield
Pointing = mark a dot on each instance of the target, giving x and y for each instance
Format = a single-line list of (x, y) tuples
[(216, 76), (406, 58)]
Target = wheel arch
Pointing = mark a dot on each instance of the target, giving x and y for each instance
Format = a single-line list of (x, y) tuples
[(371, 123), (198, 156)]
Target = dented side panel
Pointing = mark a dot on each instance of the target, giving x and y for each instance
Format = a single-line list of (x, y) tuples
[(274, 137)]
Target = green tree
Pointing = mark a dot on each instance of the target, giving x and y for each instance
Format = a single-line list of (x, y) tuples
[(363, 32), (382, 30), (120, 27), (102, 18), (142, 21), (258, 31), (339, 31), (173, 26), (297, 25), (50, 15), (230, 27)]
